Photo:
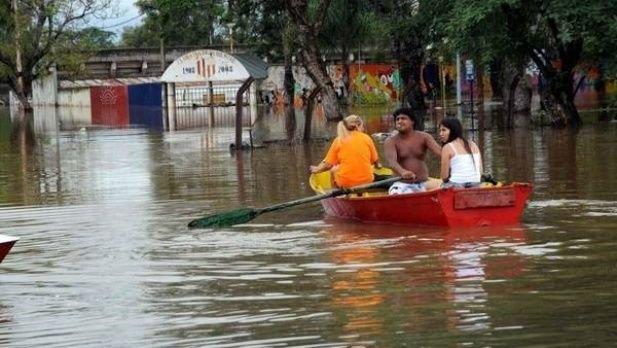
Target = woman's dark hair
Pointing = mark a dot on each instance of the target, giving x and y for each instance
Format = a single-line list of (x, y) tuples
[(456, 131), (455, 127), (409, 112)]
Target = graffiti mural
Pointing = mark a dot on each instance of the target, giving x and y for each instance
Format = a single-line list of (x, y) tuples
[(370, 84), (374, 83)]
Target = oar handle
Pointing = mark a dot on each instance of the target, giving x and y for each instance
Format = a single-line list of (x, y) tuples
[(335, 193)]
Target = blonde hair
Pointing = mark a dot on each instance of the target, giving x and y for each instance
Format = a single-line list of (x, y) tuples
[(347, 125)]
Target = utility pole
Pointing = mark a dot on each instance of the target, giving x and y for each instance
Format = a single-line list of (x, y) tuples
[(162, 54), (162, 40), (459, 98), (231, 36)]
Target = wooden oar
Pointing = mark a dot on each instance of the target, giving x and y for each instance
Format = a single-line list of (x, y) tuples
[(240, 216)]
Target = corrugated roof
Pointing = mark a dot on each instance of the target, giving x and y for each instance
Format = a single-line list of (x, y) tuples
[(256, 67), (66, 84)]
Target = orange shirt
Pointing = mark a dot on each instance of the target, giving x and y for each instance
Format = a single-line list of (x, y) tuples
[(354, 156)]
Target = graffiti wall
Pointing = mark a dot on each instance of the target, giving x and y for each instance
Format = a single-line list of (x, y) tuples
[(370, 84), (374, 83)]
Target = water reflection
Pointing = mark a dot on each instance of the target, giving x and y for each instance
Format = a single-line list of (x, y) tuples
[(418, 272)]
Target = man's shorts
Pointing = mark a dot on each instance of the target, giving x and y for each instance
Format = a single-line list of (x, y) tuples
[(400, 187)]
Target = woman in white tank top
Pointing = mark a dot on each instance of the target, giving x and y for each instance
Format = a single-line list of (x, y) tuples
[(461, 163)]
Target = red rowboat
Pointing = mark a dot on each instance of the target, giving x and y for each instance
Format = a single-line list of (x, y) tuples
[(6, 243), (483, 206)]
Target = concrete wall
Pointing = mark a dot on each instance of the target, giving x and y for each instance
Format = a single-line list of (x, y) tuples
[(74, 97), (45, 90)]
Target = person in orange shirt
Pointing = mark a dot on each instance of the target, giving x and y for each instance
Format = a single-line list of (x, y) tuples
[(352, 152)]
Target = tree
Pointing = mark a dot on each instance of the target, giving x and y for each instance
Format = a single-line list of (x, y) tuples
[(350, 25), (266, 26), (555, 35), (37, 34), (95, 39), (261, 24), (411, 26), (309, 19), (181, 22), (466, 26)]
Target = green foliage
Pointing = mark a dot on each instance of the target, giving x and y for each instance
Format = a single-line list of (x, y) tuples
[(47, 32), (489, 29), (262, 25), (94, 39), (178, 22), (351, 25)]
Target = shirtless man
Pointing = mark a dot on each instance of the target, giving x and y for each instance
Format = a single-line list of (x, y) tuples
[(405, 153)]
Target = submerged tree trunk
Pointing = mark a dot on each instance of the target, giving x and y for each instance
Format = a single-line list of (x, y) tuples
[(561, 100), (308, 113), (480, 85), (289, 83), (496, 81), (22, 91), (515, 89), (556, 58)]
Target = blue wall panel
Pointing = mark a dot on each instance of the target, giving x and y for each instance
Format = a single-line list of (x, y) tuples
[(145, 105)]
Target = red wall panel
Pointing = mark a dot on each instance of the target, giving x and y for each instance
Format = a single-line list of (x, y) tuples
[(110, 105)]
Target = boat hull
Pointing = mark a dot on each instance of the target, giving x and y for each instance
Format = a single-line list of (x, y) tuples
[(489, 206), (6, 243)]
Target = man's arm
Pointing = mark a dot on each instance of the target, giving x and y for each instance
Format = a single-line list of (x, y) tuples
[(432, 145)]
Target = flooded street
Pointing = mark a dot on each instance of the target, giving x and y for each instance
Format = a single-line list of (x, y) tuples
[(105, 257)]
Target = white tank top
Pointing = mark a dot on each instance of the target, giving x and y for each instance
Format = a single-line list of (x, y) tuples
[(463, 169)]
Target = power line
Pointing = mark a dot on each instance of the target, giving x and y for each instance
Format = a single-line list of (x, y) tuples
[(123, 22)]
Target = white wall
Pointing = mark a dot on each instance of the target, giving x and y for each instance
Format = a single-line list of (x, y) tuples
[(74, 97), (45, 90)]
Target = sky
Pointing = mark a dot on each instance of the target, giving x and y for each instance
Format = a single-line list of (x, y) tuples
[(121, 14)]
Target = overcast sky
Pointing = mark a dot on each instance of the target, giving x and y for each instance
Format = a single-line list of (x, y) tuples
[(122, 13)]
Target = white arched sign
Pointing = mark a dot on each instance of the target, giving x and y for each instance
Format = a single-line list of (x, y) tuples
[(205, 66)]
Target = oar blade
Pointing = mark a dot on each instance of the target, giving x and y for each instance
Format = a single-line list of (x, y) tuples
[(230, 218)]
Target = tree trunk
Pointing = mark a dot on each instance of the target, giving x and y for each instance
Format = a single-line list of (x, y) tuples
[(22, 91), (308, 116), (511, 75), (560, 105), (480, 86), (556, 59), (316, 69), (290, 116), (522, 104), (496, 81)]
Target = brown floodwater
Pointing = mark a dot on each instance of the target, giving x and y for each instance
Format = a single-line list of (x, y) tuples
[(105, 257)]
